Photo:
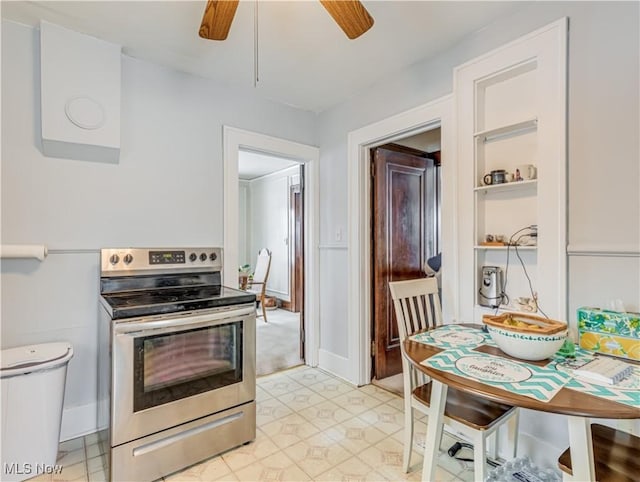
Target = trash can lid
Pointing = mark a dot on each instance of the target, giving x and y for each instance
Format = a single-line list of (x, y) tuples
[(26, 359)]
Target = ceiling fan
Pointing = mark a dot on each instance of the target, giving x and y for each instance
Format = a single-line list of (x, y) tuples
[(350, 15)]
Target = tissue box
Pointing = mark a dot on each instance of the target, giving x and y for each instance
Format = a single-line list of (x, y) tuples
[(609, 332)]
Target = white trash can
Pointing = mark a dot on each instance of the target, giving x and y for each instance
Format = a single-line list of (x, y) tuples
[(32, 388)]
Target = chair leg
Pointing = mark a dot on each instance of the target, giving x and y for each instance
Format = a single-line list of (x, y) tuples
[(264, 310), (479, 455), (512, 433), (408, 434)]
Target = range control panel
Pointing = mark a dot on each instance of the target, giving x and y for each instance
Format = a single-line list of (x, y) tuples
[(117, 260)]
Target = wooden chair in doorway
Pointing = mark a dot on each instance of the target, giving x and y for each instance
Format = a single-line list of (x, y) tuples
[(417, 307), (258, 282)]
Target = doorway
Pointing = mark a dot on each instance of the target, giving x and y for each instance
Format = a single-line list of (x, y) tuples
[(405, 218), (237, 140), (271, 218)]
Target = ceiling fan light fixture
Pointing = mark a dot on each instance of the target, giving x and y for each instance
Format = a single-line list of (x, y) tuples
[(217, 18), (350, 15)]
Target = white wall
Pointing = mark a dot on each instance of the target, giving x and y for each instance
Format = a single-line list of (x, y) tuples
[(604, 172), (269, 226), (165, 191), (244, 221)]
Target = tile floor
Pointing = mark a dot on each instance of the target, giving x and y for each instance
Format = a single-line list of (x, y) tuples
[(311, 426)]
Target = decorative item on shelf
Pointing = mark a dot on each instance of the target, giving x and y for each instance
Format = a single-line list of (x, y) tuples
[(526, 304), (497, 176), (493, 240), (525, 172)]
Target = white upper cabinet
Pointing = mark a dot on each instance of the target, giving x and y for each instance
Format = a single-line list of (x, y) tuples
[(80, 95), (511, 134)]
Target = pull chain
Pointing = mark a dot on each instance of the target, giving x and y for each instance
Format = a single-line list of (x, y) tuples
[(255, 45)]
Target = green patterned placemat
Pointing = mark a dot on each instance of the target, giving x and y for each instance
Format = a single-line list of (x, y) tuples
[(452, 336), (541, 383), (627, 391)]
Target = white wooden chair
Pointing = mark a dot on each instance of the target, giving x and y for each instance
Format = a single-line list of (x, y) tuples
[(417, 307), (258, 283)]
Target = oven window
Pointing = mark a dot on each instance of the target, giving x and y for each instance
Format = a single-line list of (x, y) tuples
[(174, 365)]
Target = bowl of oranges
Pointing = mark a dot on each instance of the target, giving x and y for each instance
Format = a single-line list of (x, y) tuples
[(524, 336)]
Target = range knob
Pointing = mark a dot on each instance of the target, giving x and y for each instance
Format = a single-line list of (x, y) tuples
[(127, 259), (203, 257), (192, 257), (213, 256), (114, 259)]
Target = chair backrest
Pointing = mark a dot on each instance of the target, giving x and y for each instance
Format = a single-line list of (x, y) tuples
[(417, 305), (263, 264)]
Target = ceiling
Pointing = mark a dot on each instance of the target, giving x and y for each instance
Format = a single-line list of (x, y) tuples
[(305, 60), (252, 165)]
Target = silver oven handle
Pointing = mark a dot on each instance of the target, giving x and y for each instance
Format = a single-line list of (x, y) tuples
[(180, 324)]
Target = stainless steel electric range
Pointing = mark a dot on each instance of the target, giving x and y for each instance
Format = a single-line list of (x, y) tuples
[(176, 360)]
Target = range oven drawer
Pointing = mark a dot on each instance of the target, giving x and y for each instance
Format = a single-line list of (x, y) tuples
[(155, 456)]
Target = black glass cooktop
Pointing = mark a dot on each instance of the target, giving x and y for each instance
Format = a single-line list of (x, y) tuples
[(131, 304)]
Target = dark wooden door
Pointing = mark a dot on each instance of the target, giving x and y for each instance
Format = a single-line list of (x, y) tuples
[(400, 226)]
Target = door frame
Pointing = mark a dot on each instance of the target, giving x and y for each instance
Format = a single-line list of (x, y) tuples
[(438, 113), (233, 139)]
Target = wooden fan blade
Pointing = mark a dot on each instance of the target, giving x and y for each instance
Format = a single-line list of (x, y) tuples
[(217, 19), (350, 15)]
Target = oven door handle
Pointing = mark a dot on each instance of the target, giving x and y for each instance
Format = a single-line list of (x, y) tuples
[(181, 324)]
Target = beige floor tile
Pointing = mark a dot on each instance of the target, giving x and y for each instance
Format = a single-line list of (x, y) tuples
[(332, 388), (386, 453), (94, 450), (248, 454), (91, 439), (385, 418), (356, 402), (380, 393), (71, 445), (355, 435), (41, 478), (72, 472), (67, 459), (397, 403), (325, 414), (353, 469), (98, 476), (212, 469), (270, 410), (309, 376), (276, 467), (279, 386), (289, 430), (262, 394), (301, 399), (317, 454), (96, 464)]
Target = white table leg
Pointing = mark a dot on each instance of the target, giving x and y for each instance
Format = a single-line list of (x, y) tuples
[(434, 429), (581, 448)]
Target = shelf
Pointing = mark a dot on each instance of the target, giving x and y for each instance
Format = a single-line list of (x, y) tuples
[(517, 128), (507, 186), (504, 248)]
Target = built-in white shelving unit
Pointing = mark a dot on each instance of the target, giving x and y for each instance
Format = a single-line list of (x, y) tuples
[(511, 114)]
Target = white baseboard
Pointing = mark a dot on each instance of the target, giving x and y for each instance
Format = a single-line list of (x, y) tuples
[(334, 364), (78, 421)]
